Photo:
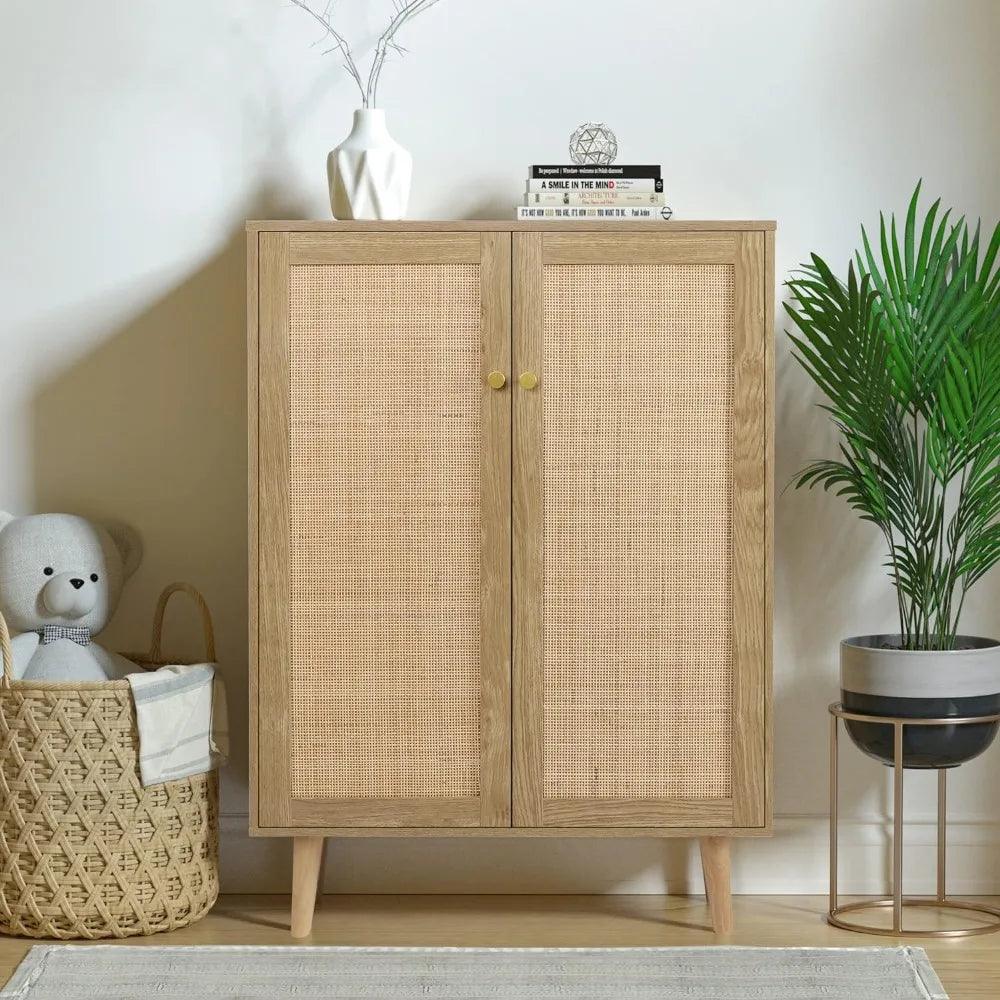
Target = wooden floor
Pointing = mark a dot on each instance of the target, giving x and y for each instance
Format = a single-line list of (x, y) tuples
[(969, 968)]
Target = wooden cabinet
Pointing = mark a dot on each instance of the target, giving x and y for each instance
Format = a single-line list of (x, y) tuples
[(509, 531)]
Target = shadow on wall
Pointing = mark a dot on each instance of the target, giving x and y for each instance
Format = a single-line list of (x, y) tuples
[(499, 866), (824, 590), (150, 428)]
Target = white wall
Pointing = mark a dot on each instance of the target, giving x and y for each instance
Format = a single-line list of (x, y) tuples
[(137, 137)]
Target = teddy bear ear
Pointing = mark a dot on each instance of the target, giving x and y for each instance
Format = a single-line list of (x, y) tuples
[(129, 544), (5, 519)]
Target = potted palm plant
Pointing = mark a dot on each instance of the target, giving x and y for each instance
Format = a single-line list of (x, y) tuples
[(907, 352)]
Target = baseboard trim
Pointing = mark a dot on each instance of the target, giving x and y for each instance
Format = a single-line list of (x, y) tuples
[(794, 861)]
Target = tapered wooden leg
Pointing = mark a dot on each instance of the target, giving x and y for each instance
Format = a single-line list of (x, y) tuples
[(321, 878), (307, 859), (715, 865)]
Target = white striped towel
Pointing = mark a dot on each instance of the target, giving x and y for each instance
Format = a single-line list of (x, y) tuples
[(181, 713)]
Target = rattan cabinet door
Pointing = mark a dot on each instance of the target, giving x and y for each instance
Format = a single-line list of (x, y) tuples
[(383, 599), (639, 530)]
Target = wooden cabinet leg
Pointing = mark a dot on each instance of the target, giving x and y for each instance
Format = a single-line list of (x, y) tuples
[(321, 878), (307, 860), (715, 865)]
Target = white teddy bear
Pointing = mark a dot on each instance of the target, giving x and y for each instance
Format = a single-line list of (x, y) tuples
[(60, 580)]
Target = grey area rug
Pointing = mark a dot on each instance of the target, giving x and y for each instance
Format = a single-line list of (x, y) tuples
[(122, 972)]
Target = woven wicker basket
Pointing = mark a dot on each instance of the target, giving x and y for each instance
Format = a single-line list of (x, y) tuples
[(85, 850)]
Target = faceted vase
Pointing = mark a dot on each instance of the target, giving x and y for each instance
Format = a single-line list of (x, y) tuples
[(369, 171)]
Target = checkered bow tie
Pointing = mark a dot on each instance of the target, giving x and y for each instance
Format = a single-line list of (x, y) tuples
[(79, 634)]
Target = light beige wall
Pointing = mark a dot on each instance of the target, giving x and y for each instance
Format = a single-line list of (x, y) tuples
[(137, 137)]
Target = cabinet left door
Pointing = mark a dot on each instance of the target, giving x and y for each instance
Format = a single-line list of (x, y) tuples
[(380, 530)]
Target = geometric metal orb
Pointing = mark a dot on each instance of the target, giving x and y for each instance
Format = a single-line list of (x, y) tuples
[(593, 142)]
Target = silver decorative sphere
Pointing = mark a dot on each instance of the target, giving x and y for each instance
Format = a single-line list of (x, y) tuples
[(593, 143)]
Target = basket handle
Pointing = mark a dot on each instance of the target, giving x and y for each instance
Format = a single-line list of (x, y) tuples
[(7, 652), (155, 651)]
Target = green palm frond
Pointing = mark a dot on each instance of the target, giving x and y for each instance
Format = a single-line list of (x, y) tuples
[(906, 350)]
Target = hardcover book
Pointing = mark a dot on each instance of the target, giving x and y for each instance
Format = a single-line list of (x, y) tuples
[(600, 197), (652, 213), (607, 170), (595, 184)]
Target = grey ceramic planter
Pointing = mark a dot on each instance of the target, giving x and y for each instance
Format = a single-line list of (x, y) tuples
[(878, 679)]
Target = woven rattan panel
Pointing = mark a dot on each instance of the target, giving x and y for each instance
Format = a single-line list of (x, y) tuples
[(638, 394), (386, 390)]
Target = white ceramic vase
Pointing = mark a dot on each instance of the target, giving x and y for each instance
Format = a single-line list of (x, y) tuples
[(369, 171)]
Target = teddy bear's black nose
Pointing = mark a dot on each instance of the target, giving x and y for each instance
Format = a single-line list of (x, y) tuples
[(77, 582)]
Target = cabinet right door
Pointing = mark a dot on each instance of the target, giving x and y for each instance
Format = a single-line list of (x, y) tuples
[(641, 491)]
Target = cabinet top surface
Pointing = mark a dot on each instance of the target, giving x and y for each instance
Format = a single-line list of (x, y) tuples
[(491, 225)]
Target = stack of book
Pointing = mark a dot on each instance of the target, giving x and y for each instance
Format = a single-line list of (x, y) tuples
[(613, 191)]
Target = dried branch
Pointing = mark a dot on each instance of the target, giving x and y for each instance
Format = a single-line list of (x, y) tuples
[(340, 42), (405, 12)]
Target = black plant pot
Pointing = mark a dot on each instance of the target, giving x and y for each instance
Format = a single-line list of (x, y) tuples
[(879, 678)]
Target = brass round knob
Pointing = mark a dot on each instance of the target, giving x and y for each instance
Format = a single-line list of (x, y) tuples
[(496, 380), (528, 380)]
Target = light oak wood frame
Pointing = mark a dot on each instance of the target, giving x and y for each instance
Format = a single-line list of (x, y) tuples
[(748, 807), (271, 245), (259, 775), (274, 808)]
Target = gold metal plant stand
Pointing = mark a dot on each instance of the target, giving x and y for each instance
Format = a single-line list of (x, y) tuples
[(897, 901)]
